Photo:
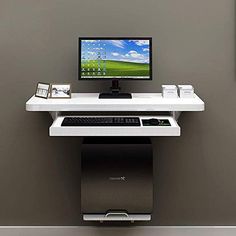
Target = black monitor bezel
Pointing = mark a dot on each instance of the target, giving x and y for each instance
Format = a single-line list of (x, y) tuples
[(114, 38)]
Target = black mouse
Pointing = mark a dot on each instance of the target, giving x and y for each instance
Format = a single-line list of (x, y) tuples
[(153, 121)]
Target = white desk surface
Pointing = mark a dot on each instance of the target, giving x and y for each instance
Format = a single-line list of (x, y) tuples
[(139, 102)]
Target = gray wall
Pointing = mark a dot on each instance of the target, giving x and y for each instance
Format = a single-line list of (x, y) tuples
[(194, 43)]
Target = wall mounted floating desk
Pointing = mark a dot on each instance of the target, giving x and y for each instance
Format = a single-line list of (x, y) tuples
[(141, 102)]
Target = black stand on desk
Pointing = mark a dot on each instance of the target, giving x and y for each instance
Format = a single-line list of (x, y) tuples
[(117, 176), (115, 92)]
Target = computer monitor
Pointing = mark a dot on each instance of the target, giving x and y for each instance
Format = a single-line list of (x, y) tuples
[(115, 59)]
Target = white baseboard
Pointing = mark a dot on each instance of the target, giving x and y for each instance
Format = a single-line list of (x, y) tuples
[(115, 231)]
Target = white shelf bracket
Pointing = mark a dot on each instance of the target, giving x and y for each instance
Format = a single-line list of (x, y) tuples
[(175, 114), (54, 114)]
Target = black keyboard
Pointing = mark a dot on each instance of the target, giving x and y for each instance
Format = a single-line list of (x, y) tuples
[(101, 121)]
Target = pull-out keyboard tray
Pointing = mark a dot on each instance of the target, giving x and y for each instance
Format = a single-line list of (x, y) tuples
[(151, 130)]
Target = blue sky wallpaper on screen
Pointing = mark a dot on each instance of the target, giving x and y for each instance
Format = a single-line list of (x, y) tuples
[(119, 50)]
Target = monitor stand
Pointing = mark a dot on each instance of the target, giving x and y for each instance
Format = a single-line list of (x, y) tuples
[(115, 92)]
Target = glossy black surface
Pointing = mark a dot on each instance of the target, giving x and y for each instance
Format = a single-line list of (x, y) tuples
[(116, 175)]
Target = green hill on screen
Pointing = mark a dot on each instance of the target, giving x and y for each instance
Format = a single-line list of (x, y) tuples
[(118, 68)]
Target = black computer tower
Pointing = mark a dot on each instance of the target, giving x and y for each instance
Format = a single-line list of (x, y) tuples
[(116, 175)]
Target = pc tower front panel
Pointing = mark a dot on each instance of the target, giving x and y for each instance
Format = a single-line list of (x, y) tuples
[(117, 175)]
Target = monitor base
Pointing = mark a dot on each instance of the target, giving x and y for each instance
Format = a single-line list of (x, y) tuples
[(115, 95), (115, 92)]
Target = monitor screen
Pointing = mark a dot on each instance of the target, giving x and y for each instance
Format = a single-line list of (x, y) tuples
[(115, 58)]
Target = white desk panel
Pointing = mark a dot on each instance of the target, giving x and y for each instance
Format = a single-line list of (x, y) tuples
[(139, 102)]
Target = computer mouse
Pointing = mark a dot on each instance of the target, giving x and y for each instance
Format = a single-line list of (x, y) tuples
[(153, 121)]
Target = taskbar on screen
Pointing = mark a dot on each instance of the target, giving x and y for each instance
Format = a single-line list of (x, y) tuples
[(114, 77)]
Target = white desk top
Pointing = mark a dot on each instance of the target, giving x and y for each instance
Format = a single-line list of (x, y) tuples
[(139, 102)]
